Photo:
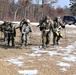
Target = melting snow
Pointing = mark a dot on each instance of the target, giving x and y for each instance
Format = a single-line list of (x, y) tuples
[(35, 48), (71, 26), (52, 53), (63, 69), (71, 58), (71, 32), (35, 55), (16, 61), (63, 64), (34, 23), (28, 72)]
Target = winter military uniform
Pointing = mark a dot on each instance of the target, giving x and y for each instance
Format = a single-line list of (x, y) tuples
[(4, 30), (11, 33), (46, 27), (56, 30), (25, 30)]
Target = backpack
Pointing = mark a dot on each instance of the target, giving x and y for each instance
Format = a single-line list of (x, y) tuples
[(22, 23), (40, 24)]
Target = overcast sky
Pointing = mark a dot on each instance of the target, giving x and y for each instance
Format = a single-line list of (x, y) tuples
[(60, 3)]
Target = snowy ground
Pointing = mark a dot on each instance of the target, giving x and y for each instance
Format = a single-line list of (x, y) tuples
[(55, 60)]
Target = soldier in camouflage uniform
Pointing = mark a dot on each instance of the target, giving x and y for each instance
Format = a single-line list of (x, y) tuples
[(56, 30), (25, 30), (46, 27), (3, 29), (9, 33)]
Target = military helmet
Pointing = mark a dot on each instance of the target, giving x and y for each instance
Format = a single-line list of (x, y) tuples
[(57, 19), (47, 17)]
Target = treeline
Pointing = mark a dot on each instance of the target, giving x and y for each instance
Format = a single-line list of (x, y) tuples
[(12, 10)]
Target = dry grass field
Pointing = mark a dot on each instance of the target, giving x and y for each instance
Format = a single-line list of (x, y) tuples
[(31, 60)]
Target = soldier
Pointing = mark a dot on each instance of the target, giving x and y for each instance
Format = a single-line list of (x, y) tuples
[(46, 27), (56, 30), (10, 33), (25, 30), (3, 29)]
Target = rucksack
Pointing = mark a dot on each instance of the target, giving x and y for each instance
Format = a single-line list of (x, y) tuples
[(40, 24), (22, 23)]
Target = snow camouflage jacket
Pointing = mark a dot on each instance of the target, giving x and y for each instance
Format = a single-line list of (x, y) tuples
[(26, 28)]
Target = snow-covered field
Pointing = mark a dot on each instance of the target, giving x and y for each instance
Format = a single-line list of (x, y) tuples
[(31, 60)]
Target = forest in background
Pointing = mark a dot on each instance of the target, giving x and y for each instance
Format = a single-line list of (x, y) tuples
[(12, 10)]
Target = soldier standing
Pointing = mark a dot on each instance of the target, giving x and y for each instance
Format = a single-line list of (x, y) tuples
[(56, 30), (10, 29), (10, 33), (46, 27), (4, 30), (25, 30)]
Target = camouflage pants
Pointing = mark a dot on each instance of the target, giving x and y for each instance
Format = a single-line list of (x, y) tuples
[(6, 38), (24, 39), (45, 38), (11, 39), (56, 37)]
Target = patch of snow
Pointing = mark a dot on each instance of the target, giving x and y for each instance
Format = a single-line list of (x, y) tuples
[(16, 61), (33, 54), (70, 58), (1, 22), (41, 51), (63, 64), (16, 22), (71, 26), (52, 53), (28, 72), (35, 49), (69, 49), (71, 32), (63, 69), (34, 23)]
